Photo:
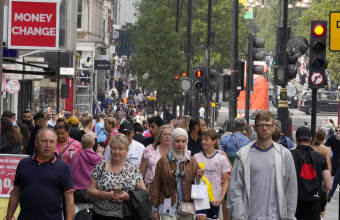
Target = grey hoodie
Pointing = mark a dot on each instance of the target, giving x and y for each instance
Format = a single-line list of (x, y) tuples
[(286, 184)]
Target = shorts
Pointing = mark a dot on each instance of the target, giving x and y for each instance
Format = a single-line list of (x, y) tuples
[(212, 213)]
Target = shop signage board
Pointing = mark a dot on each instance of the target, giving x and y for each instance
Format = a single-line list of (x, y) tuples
[(101, 65), (33, 24), (12, 86), (8, 167), (334, 31)]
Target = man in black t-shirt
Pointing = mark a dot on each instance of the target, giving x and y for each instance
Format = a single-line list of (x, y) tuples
[(196, 127), (311, 167), (334, 143)]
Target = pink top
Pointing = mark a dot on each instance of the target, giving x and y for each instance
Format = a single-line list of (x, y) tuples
[(76, 146), (152, 155), (114, 132)]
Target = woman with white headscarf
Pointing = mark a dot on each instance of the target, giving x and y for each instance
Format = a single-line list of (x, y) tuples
[(175, 173)]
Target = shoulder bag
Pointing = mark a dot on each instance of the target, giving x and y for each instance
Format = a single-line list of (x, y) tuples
[(61, 154), (232, 157)]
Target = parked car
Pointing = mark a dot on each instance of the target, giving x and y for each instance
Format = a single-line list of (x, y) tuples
[(327, 101)]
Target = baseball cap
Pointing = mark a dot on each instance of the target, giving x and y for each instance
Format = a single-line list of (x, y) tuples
[(125, 126), (303, 133)]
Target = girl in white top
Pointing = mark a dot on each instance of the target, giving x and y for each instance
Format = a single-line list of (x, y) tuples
[(216, 168)]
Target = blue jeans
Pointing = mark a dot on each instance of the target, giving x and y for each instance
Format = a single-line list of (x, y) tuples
[(335, 181)]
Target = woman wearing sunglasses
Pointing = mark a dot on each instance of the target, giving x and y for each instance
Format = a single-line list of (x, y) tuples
[(175, 173)]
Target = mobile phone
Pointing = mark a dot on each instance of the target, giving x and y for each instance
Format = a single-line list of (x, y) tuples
[(118, 189)]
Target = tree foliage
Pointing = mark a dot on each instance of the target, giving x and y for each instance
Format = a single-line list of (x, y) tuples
[(159, 52)]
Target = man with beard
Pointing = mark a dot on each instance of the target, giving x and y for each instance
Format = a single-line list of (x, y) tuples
[(196, 126), (39, 122), (154, 123), (263, 171)]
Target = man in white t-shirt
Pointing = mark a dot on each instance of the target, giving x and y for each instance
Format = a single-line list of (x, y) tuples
[(136, 149), (201, 111)]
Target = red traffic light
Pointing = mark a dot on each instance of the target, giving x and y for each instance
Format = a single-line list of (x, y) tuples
[(184, 74), (176, 77), (199, 73), (319, 30)]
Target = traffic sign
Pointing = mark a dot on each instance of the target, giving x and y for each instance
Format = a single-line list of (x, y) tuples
[(33, 24), (316, 78), (186, 84), (334, 31)]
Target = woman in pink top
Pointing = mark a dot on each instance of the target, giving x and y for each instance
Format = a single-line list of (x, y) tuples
[(110, 126), (153, 152), (64, 142)]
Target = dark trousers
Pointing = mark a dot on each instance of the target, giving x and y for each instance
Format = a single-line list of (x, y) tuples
[(336, 179), (308, 210)]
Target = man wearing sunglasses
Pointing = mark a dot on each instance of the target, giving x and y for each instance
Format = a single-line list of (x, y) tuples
[(263, 183), (334, 143)]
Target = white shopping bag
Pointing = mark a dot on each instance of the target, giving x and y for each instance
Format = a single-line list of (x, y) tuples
[(202, 198)]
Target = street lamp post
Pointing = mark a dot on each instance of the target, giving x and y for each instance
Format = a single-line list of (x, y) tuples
[(234, 64)]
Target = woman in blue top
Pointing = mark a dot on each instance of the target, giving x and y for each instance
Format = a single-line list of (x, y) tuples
[(100, 130)]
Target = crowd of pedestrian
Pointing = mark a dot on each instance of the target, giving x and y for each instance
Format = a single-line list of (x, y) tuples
[(120, 164)]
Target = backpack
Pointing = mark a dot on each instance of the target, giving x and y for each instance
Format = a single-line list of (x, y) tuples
[(309, 186)]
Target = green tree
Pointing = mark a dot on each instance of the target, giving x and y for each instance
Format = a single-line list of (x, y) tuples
[(157, 57), (159, 51)]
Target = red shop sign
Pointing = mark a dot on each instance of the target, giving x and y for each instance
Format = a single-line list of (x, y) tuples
[(33, 24), (8, 167)]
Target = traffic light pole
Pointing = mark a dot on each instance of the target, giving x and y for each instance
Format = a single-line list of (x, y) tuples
[(314, 100), (249, 75), (282, 109), (234, 64), (189, 14), (207, 66)]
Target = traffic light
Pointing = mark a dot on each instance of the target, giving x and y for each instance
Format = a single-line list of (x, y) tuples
[(296, 47), (199, 78), (224, 85), (317, 61), (240, 76), (254, 55), (280, 77), (291, 70), (176, 77), (212, 79)]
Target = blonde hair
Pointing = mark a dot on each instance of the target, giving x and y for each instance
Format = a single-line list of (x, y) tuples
[(111, 121), (87, 141), (86, 119), (120, 138), (158, 137)]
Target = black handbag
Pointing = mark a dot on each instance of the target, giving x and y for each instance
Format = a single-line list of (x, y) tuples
[(84, 214), (80, 196)]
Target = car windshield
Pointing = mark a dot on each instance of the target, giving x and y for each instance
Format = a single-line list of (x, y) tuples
[(291, 90)]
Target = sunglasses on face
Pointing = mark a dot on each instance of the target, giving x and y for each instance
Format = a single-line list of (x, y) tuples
[(337, 130)]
